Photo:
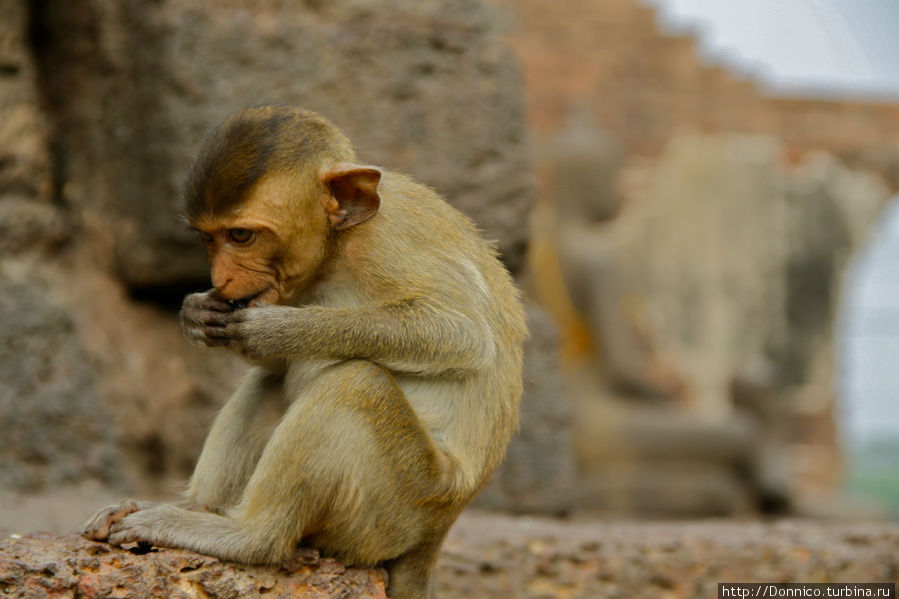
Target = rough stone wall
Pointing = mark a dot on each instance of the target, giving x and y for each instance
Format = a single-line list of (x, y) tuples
[(51, 417), (104, 104), (27, 215), (420, 87)]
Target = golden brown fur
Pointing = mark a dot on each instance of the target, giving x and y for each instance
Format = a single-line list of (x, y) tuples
[(387, 342)]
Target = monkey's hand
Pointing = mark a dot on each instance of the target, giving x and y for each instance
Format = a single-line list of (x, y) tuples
[(97, 526), (259, 333), (203, 318)]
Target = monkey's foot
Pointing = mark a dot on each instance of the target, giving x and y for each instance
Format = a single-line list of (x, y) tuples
[(146, 526), (97, 526)]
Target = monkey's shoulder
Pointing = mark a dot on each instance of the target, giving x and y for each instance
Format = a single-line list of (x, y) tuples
[(412, 202)]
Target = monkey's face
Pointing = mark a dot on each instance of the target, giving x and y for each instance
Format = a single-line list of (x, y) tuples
[(269, 248)]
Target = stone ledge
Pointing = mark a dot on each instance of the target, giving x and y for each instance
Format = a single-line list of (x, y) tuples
[(45, 565), (496, 556), (486, 556)]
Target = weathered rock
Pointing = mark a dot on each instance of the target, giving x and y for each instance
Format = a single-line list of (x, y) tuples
[(538, 472), (160, 391), (660, 461), (26, 224), (423, 87), (103, 106), (52, 422), (42, 565), (744, 257), (27, 217), (487, 555), (529, 558)]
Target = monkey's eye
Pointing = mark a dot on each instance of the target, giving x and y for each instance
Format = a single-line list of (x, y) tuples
[(206, 238), (240, 235)]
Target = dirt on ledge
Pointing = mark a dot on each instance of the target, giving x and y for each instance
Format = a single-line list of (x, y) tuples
[(486, 556), (41, 565), (497, 556)]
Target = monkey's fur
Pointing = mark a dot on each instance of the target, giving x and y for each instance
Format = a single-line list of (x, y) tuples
[(386, 338)]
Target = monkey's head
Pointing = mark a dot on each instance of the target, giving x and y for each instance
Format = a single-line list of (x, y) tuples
[(269, 193)]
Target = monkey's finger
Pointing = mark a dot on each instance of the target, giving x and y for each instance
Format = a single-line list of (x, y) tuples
[(238, 315), (122, 535), (214, 319), (204, 302), (216, 304), (97, 528), (208, 336), (200, 319), (217, 332), (192, 317)]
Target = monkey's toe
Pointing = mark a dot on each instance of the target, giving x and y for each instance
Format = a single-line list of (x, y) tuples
[(97, 527)]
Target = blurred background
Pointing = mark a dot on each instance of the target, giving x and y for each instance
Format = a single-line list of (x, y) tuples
[(694, 195)]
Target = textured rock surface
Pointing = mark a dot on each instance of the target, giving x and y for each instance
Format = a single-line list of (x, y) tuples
[(103, 106), (160, 392), (538, 472), (27, 217), (744, 260), (422, 87), (528, 558), (42, 565), (489, 556), (52, 424)]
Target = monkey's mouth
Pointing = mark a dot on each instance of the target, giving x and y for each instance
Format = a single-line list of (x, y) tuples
[(266, 296), (244, 302), (238, 304)]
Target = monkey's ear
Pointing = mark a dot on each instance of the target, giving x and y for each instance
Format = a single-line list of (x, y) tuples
[(354, 194)]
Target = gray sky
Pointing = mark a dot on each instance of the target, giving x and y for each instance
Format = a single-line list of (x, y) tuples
[(831, 47), (869, 344)]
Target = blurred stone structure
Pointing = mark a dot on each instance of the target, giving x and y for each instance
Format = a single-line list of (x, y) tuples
[(726, 257), (104, 105), (736, 260), (744, 259), (583, 167), (645, 86)]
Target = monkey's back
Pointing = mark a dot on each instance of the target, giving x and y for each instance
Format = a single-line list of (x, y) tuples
[(420, 248)]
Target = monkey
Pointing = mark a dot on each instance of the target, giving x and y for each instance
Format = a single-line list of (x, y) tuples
[(384, 337)]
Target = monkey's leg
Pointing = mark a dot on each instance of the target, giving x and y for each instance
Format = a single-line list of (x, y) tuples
[(236, 441), (410, 574), (230, 452), (349, 468)]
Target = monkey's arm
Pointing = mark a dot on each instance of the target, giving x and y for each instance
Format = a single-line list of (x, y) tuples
[(413, 336)]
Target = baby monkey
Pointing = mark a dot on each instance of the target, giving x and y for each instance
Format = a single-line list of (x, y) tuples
[(385, 338)]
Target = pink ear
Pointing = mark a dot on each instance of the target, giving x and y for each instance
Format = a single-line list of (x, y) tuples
[(354, 190)]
